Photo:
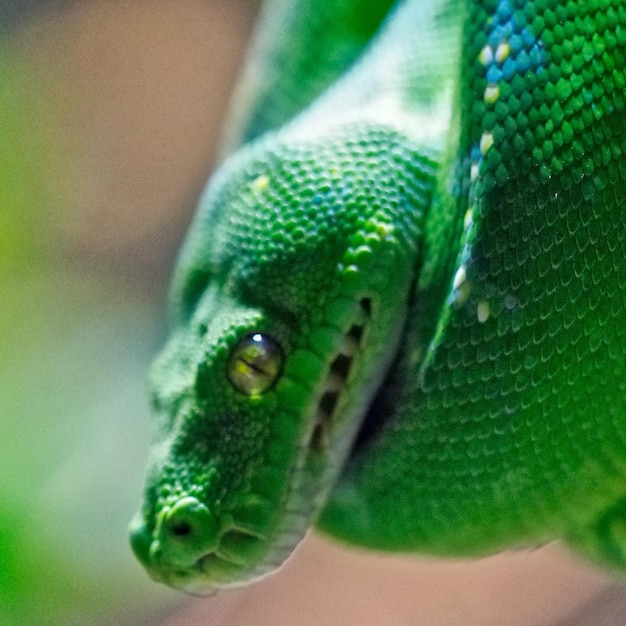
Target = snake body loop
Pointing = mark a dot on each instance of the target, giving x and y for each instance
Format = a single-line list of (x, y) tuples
[(400, 313)]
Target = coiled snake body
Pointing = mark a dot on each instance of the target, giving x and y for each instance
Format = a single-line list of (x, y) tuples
[(400, 312)]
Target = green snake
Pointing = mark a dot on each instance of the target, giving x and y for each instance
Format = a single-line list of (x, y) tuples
[(399, 315)]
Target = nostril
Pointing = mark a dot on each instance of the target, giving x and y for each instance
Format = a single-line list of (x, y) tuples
[(180, 528), (185, 532)]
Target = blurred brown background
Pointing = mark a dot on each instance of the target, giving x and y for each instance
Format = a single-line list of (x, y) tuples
[(133, 93), (109, 113)]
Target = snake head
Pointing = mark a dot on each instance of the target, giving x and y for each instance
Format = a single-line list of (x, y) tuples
[(288, 304)]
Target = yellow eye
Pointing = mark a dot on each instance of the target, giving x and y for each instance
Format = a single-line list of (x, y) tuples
[(255, 364)]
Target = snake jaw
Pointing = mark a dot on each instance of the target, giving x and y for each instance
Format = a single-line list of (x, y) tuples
[(230, 558)]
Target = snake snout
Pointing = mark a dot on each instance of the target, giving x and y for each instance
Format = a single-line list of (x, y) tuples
[(185, 532)]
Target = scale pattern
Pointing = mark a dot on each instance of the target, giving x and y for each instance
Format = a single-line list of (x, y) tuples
[(451, 310), (518, 413)]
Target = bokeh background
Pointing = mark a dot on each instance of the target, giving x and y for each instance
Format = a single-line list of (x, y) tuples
[(109, 118)]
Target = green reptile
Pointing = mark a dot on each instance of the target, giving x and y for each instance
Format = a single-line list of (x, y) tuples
[(399, 315)]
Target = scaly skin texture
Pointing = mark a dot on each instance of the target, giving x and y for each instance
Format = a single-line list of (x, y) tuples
[(300, 48), (401, 317)]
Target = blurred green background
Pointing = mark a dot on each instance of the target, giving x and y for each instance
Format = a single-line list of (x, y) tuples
[(109, 113)]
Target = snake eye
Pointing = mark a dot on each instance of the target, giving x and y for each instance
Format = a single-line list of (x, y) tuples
[(255, 364)]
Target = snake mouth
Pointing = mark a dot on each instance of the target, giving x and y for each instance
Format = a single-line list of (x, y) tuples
[(230, 564), (337, 379), (184, 552), (237, 550)]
